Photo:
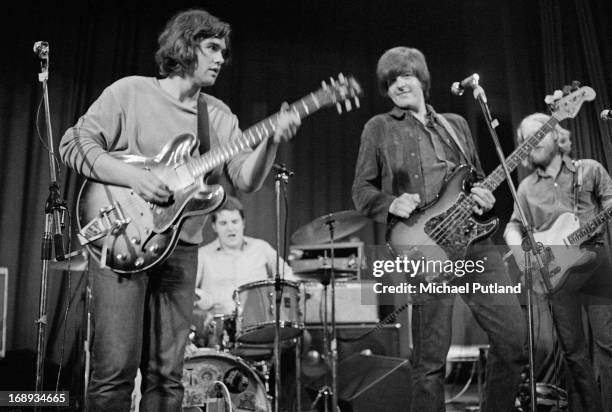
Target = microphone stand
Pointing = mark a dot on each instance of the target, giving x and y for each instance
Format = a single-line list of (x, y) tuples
[(55, 207), (282, 175), (529, 246)]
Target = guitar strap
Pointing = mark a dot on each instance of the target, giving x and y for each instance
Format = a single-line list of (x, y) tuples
[(203, 125), (577, 183), (449, 129)]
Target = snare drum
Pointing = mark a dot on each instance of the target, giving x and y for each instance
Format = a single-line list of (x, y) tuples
[(255, 311), (208, 368)]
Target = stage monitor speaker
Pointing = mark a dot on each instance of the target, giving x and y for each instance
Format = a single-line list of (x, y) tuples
[(384, 341), (3, 306), (371, 383)]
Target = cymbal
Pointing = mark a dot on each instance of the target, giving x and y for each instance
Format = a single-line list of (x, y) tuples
[(317, 231), (77, 263)]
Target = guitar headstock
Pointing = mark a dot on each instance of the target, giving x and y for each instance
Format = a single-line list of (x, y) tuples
[(338, 91), (565, 104)]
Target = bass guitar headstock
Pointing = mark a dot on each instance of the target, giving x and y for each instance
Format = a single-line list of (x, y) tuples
[(566, 103)]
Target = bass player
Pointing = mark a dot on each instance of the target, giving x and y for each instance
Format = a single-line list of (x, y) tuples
[(404, 158)]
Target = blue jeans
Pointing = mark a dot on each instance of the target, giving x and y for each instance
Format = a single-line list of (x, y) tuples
[(501, 318), (141, 321), (591, 291)]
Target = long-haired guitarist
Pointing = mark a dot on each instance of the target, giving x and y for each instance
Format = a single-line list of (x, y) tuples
[(404, 158), (560, 185), (142, 320)]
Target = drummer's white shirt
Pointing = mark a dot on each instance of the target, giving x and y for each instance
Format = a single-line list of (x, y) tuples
[(222, 271)]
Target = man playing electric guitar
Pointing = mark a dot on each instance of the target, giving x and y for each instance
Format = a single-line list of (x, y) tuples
[(404, 157), (142, 320), (560, 185)]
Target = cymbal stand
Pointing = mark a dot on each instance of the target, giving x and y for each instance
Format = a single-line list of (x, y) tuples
[(334, 348), (330, 347), (282, 174)]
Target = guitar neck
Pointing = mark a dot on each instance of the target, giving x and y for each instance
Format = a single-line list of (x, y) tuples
[(586, 230), (519, 154), (250, 138)]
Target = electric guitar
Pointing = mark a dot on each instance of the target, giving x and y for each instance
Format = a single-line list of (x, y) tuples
[(124, 232), (562, 247), (444, 229)]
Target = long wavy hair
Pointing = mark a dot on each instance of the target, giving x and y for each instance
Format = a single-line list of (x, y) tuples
[(181, 37)]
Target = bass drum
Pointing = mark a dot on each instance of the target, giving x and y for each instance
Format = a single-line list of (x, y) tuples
[(207, 369)]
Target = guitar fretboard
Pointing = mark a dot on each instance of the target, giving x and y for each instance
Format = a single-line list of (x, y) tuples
[(254, 135), (498, 176), (584, 231), (516, 157)]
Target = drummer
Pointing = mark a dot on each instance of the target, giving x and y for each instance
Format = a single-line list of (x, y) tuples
[(230, 261)]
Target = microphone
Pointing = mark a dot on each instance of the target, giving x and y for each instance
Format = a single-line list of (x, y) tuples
[(605, 115), (41, 49), (281, 169), (457, 88)]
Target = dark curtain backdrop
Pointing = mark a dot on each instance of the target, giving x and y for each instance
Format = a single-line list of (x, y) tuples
[(281, 51)]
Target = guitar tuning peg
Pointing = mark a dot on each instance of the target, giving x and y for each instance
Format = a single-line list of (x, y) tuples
[(551, 98), (324, 85), (357, 102), (332, 81), (347, 105), (567, 89), (341, 78), (339, 108), (575, 84)]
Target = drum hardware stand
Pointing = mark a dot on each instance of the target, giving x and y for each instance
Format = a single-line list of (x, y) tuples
[(529, 244), (330, 348), (282, 174), (55, 208)]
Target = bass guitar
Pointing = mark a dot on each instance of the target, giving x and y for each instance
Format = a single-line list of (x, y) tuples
[(563, 252), (124, 232), (443, 230)]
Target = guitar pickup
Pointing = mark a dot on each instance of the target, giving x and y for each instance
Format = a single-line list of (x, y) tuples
[(110, 221)]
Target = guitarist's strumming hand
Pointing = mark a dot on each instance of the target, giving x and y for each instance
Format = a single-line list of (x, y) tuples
[(514, 239), (149, 187), (404, 205), (286, 125), (483, 197)]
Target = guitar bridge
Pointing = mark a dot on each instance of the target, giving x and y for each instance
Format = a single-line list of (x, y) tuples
[(110, 221)]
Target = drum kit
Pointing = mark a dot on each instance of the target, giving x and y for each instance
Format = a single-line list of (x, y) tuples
[(233, 370)]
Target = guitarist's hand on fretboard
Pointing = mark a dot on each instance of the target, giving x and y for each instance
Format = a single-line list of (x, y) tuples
[(287, 124), (404, 205)]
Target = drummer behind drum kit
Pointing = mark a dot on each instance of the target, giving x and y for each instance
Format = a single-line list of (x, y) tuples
[(218, 375), (235, 366)]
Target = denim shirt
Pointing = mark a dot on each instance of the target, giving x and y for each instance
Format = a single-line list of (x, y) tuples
[(544, 198), (399, 154)]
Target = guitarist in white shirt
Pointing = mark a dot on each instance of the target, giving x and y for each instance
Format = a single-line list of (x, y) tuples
[(559, 185)]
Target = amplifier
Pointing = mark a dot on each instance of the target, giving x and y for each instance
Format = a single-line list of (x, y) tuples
[(355, 303), (306, 260), (3, 306)]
